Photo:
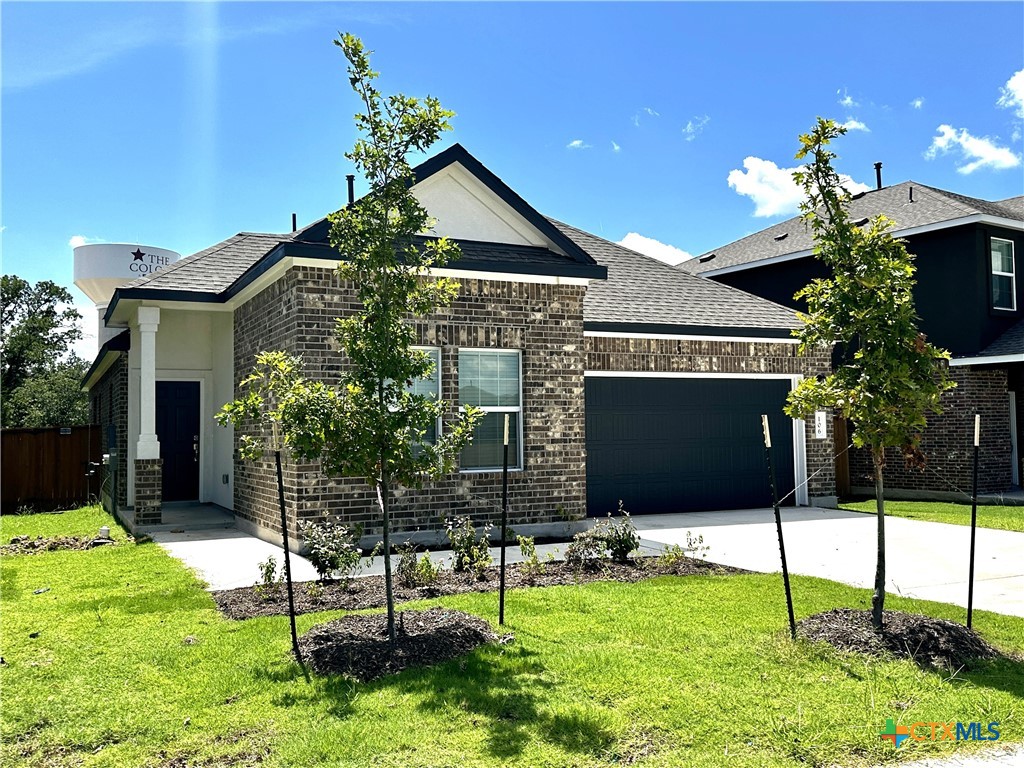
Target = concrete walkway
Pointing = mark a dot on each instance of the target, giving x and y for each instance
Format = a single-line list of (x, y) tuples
[(229, 558), (924, 560)]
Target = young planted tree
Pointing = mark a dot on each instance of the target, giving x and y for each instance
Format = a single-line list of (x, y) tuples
[(890, 377), (372, 425)]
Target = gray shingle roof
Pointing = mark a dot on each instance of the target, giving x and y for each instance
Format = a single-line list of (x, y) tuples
[(930, 206), (212, 269), (1010, 343), (640, 289)]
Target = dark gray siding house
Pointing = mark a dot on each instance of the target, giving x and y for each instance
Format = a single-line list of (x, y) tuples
[(624, 378), (969, 300)]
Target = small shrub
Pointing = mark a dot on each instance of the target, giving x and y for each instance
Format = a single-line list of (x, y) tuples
[(267, 586), (620, 537), (414, 571), (674, 554), (586, 551), (332, 548), (315, 590), (468, 552), (531, 566)]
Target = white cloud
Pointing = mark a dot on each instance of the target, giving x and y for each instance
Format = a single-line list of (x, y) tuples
[(652, 112), (695, 127), (616, 147), (654, 248), (773, 189), (76, 240), (1012, 94), (978, 151), (855, 125), (917, 103), (846, 99), (577, 144)]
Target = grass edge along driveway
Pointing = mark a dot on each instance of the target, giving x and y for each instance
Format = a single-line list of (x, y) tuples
[(133, 666), (1005, 518)]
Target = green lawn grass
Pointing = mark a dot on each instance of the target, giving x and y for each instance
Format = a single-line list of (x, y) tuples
[(989, 516), (84, 523), (133, 666)]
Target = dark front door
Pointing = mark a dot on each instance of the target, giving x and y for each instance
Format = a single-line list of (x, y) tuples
[(684, 445), (177, 429)]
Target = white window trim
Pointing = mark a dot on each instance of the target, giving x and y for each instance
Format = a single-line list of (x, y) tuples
[(437, 377), (519, 464), (1011, 275)]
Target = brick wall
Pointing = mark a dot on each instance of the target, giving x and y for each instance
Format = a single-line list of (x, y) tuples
[(949, 439), (696, 356), (545, 322), (109, 399), (148, 482)]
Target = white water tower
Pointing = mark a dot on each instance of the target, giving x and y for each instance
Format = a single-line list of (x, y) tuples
[(102, 267)]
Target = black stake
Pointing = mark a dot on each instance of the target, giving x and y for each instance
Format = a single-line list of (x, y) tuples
[(778, 524), (287, 555), (504, 527), (974, 521)]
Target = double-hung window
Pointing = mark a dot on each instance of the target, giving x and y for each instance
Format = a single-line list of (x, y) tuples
[(1004, 283), (491, 380), (430, 386)]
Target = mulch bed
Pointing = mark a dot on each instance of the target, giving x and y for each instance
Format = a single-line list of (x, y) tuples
[(358, 646), (368, 591), (930, 643), (26, 545)]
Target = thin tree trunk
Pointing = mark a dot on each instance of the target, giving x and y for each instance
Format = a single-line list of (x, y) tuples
[(384, 501), (878, 599)]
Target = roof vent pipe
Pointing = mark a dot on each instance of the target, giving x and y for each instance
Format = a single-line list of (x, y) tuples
[(295, 224), (911, 194), (878, 175), (351, 179)]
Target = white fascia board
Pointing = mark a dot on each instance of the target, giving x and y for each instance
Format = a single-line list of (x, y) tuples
[(689, 337), (990, 360), (977, 218)]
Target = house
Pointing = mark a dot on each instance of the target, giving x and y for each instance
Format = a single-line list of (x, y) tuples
[(969, 300), (624, 377)]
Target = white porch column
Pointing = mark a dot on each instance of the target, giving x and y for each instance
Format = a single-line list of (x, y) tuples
[(148, 446)]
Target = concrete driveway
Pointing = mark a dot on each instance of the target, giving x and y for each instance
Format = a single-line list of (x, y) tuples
[(923, 560)]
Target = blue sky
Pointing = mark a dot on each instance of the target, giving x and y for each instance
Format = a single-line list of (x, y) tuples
[(179, 124)]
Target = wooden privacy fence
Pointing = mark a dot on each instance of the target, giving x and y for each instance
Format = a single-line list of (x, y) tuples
[(49, 468)]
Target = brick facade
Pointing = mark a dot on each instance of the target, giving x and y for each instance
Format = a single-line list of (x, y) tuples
[(148, 491), (948, 442), (109, 406), (545, 322), (749, 357)]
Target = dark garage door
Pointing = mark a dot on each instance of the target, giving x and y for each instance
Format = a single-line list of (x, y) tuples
[(683, 445)]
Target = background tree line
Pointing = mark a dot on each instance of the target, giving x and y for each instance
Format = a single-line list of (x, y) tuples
[(42, 376)]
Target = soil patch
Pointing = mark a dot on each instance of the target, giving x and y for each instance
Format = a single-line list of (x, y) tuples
[(368, 591), (928, 642), (26, 545), (358, 646)]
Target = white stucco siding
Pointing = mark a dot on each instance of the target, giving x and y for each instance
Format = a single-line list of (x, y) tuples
[(464, 208)]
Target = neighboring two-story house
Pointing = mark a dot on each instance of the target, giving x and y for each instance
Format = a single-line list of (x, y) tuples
[(970, 299), (624, 378)]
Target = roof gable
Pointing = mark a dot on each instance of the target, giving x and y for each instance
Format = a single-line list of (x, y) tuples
[(909, 204), (471, 203)]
